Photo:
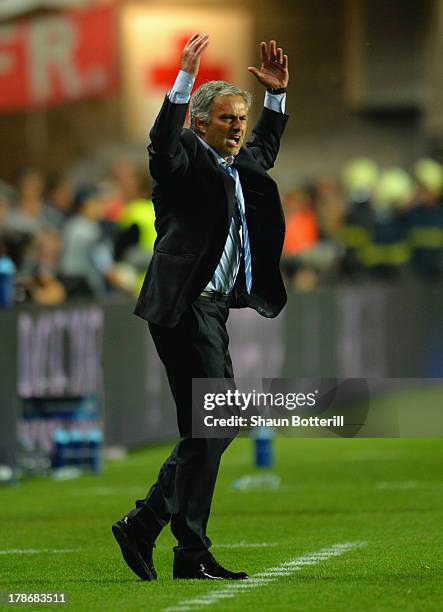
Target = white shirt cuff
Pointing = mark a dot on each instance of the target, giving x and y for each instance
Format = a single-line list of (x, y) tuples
[(275, 102), (181, 90)]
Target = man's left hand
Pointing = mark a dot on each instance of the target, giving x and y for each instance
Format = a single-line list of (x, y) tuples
[(273, 72)]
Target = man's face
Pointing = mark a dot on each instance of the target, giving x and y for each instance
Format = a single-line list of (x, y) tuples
[(226, 129)]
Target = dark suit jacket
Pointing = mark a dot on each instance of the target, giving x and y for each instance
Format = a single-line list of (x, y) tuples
[(194, 200)]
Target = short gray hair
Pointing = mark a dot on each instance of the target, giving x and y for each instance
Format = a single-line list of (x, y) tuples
[(203, 97)]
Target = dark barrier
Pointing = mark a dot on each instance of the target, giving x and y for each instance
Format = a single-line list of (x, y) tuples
[(58, 357), (362, 331), (8, 386), (70, 352)]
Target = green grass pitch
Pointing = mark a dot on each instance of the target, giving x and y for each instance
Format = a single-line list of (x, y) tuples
[(387, 493)]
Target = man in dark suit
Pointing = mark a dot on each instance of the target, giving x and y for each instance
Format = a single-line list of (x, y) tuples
[(220, 232)]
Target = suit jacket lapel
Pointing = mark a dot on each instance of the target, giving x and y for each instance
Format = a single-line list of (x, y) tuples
[(227, 181)]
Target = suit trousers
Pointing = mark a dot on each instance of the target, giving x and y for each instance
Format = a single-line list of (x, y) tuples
[(196, 348)]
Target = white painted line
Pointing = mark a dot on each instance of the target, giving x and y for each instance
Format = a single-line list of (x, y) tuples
[(407, 484), (235, 545), (275, 572), (103, 491), (245, 584), (198, 601), (326, 554), (305, 562), (248, 545), (35, 551), (224, 593), (265, 577)]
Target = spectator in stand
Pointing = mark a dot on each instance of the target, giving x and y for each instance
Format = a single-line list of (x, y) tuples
[(386, 253), (87, 264), (360, 178), (4, 208), (134, 243), (301, 222), (126, 187), (24, 224), (301, 235), (59, 197), (425, 221), (131, 211), (36, 259), (27, 214), (330, 207), (6, 235), (43, 286)]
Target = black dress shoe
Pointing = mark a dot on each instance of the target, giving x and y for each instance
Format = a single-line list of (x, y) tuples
[(136, 552), (203, 566)]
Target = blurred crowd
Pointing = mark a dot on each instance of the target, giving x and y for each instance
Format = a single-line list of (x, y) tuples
[(370, 224), (70, 240), (77, 240)]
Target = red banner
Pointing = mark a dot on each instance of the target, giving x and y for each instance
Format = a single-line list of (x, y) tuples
[(57, 58)]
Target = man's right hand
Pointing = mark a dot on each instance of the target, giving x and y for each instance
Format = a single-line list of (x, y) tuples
[(192, 52)]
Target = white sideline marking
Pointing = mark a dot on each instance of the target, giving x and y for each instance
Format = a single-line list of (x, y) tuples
[(98, 491), (265, 577), (34, 551), (274, 572), (236, 545), (406, 484), (248, 545)]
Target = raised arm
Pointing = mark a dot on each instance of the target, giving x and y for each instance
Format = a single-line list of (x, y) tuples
[(192, 53), (166, 154), (273, 74)]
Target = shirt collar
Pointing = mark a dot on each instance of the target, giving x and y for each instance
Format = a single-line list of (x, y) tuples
[(220, 160)]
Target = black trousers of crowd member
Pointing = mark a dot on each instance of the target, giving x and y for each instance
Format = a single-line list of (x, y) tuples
[(196, 348)]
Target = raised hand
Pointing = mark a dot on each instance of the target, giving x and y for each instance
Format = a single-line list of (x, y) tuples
[(192, 51), (273, 72)]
